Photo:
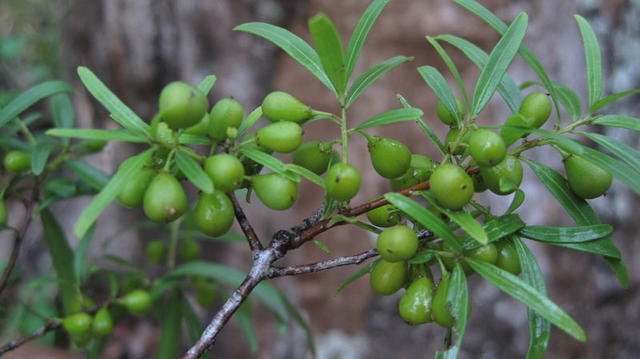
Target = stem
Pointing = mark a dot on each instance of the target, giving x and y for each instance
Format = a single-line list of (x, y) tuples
[(25, 131), (344, 136), (167, 164), (324, 265), (174, 229)]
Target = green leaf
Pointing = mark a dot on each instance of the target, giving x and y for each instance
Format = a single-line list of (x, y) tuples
[(369, 77), (243, 317), (441, 89), (27, 98), (119, 111), (321, 245), (297, 48), (518, 200), (627, 122), (464, 219), (62, 258), (170, 326), (191, 321), (187, 139), (626, 153), (539, 328), (329, 49), (569, 100), (392, 116), (361, 31), (356, 275), (612, 98), (452, 68), (62, 112), (425, 218), (578, 234), (421, 257), (192, 170), (39, 156), (88, 174), (80, 265), (529, 296), (592, 60), (270, 162), (91, 134), (497, 64), (206, 84), (248, 122), (457, 302), (110, 191), (424, 127), (498, 228), (311, 176)]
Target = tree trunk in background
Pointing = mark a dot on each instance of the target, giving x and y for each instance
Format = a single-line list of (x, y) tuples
[(137, 46)]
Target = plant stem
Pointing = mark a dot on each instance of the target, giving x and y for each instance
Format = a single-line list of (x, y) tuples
[(344, 136), (174, 229), (25, 131)]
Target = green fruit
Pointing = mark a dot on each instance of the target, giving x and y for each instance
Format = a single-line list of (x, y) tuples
[(275, 190), (508, 258), (343, 181), (585, 178), (182, 105), (189, 250), (81, 340), (439, 308), (156, 251), (536, 107), (314, 156), (387, 277), (415, 304), (165, 199), (390, 158), (131, 283), (214, 213), (452, 186), (4, 214), (511, 135), (137, 302), (199, 129), (282, 136), (133, 190), (280, 106), (17, 162), (77, 324), (446, 116), (226, 113), (225, 170), (397, 243), (420, 170), (486, 147), (510, 170), (452, 140), (102, 322), (487, 253), (384, 216)]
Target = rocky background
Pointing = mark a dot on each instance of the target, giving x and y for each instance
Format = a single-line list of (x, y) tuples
[(137, 46)]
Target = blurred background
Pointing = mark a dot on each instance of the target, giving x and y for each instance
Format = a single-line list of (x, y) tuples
[(137, 46)]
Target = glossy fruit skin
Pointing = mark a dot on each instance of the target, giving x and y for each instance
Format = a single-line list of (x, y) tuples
[(225, 170), (439, 309), (387, 277), (133, 190), (214, 213), (462, 143), (384, 216), (397, 244), (182, 105), (415, 304), (390, 158), (81, 340), (510, 135), (226, 113), (452, 186), (165, 199), (487, 253), (201, 128), (508, 258), (281, 106), (586, 179), (102, 322), (536, 107), (156, 251), (77, 324), (189, 250), (17, 162), (275, 191), (343, 181), (486, 147), (137, 302), (314, 156), (447, 117), (510, 168), (282, 136), (4, 214), (420, 169)]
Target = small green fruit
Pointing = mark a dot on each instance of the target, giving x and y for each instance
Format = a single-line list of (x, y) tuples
[(510, 170), (225, 170), (275, 191), (511, 135), (586, 179), (137, 302), (536, 107), (156, 251), (390, 158), (314, 156), (454, 144), (182, 105), (77, 324), (384, 216), (280, 106), (165, 199), (226, 113), (397, 243), (189, 250), (486, 147), (17, 162), (439, 308), (446, 116), (132, 193), (343, 181), (214, 213), (415, 304), (102, 322), (452, 186), (508, 258), (420, 169), (282, 136), (199, 129), (387, 277)]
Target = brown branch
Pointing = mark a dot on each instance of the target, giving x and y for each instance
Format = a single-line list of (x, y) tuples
[(14, 344), (247, 229), (320, 266)]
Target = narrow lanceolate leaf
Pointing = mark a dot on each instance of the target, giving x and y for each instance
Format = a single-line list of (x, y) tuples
[(497, 64), (248, 122), (206, 84), (62, 112), (243, 317), (426, 218), (297, 48), (566, 234), (355, 275), (80, 265), (426, 129), (361, 31), (569, 100), (187, 139), (91, 134), (457, 303), (27, 98), (539, 328), (498, 228), (441, 89), (627, 122), (464, 219), (452, 68), (529, 296), (518, 200), (119, 111), (370, 76), (297, 317), (626, 153), (192, 170), (39, 156), (329, 49), (110, 191), (88, 174), (270, 162), (610, 99), (170, 326), (593, 60), (311, 176), (392, 116)]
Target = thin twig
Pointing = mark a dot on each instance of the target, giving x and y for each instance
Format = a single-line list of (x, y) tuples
[(247, 229), (36, 334), (324, 265)]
